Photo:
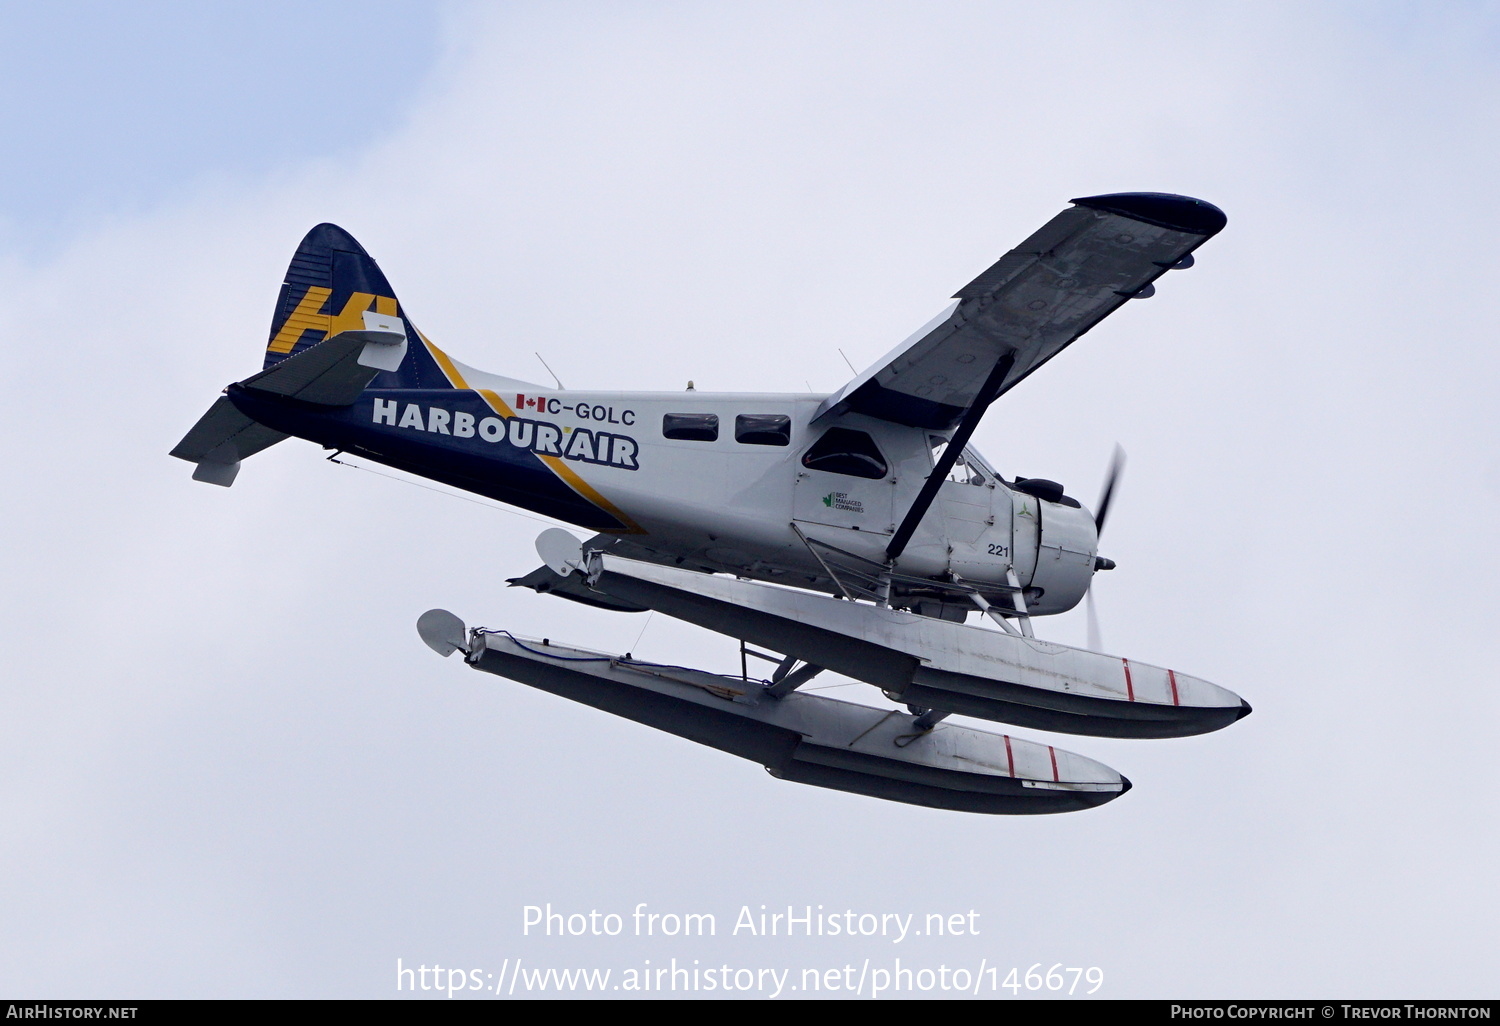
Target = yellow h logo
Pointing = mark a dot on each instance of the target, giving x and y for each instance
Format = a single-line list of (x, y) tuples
[(309, 315)]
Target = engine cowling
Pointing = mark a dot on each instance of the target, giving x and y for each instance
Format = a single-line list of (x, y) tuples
[(1054, 545)]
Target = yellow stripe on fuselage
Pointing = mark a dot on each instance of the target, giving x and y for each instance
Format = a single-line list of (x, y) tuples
[(557, 465), (587, 490), (454, 377)]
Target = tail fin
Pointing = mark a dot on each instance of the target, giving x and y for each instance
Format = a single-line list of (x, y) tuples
[(330, 286), (335, 294)]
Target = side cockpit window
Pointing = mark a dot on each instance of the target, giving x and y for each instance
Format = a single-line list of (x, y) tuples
[(763, 429), (968, 468), (845, 451), (691, 427)]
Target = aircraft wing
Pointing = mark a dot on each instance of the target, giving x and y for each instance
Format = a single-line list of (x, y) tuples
[(1079, 267)]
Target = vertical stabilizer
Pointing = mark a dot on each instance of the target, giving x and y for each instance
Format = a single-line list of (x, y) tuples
[(331, 286)]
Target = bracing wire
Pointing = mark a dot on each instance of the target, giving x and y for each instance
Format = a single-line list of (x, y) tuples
[(451, 495)]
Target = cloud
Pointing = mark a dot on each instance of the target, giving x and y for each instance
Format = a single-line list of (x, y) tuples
[(231, 769)]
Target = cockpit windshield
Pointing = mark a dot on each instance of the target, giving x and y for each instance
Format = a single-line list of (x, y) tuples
[(969, 468)]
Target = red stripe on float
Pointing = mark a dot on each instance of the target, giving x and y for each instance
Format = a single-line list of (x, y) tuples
[(1129, 686), (1053, 752), (1010, 759), (1173, 678)]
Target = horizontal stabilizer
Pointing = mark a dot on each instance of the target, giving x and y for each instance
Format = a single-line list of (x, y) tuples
[(222, 437), (334, 372), (331, 373)]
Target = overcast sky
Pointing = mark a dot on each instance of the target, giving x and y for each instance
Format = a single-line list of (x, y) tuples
[(228, 766)]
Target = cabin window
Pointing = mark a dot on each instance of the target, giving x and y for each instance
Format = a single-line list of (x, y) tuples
[(763, 429), (691, 427), (845, 451)]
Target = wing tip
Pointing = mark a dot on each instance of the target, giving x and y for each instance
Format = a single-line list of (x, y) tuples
[(1163, 209)]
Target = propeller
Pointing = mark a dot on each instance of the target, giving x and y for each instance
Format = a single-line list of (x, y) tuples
[(1095, 644), (1111, 479)]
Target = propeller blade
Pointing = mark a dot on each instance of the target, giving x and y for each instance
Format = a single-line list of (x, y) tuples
[(1116, 466), (1111, 479)]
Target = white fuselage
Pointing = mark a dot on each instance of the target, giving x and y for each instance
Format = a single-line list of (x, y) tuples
[(710, 487)]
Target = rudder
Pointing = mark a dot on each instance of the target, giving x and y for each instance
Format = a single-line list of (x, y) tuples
[(329, 286)]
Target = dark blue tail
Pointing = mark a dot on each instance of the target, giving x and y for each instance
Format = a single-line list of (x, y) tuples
[(330, 285)]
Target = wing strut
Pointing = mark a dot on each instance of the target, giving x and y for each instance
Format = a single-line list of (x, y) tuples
[(987, 394)]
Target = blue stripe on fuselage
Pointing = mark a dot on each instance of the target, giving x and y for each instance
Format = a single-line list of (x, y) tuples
[(493, 456)]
